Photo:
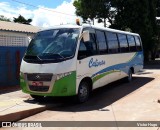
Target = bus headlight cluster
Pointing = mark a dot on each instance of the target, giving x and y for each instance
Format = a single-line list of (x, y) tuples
[(59, 76)]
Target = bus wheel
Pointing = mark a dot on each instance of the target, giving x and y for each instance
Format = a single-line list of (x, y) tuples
[(83, 92), (37, 98), (129, 77)]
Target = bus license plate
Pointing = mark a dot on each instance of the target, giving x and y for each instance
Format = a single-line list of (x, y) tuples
[(37, 83)]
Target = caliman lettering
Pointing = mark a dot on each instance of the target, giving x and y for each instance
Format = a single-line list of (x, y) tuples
[(96, 63)]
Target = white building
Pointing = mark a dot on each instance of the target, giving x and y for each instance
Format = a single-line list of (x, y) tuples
[(15, 34), (14, 39)]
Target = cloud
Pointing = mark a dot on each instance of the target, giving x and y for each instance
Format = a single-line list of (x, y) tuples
[(8, 11), (48, 17), (41, 16)]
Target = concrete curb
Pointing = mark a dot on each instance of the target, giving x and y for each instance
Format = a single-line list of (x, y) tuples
[(15, 106), (21, 114), (23, 110)]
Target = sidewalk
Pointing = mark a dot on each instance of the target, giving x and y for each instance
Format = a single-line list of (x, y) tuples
[(17, 105)]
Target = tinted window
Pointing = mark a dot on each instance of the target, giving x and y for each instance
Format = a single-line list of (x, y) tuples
[(87, 49), (92, 43), (123, 43), (82, 46), (101, 40), (53, 44), (138, 43), (113, 46), (132, 44)]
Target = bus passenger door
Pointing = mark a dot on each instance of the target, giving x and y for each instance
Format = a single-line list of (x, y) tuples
[(86, 53)]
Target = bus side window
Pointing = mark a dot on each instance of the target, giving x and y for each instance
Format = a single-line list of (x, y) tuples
[(101, 40), (113, 46), (87, 49), (82, 53), (138, 43), (132, 44), (123, 43)]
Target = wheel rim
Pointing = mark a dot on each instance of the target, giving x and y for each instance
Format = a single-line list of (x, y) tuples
[(83, 92)]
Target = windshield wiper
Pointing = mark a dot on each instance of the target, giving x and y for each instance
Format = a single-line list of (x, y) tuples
[(39, 58), (32, 57), (51, 56)]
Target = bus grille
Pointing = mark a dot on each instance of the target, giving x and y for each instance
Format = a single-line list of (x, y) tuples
[(39, 88), (39, 77)]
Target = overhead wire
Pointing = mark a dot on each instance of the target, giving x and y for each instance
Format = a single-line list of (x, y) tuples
[(43, 8)]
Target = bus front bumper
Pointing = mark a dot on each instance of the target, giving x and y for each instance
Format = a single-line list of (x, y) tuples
[(48, 84)]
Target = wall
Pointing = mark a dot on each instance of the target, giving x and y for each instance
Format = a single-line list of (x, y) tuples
[(12, 48)]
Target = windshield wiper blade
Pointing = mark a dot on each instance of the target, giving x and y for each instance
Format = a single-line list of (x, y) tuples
[(51, 56), (39, 58), (32, 57), (61, 56)]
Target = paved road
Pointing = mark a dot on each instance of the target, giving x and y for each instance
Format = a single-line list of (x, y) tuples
[(135, 101)]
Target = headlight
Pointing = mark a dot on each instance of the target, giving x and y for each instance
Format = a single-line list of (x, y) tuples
[(59, 76)]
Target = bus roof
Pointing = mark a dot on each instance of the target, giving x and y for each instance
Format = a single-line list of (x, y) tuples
[(61, 26), (91, 26), (110, 29)]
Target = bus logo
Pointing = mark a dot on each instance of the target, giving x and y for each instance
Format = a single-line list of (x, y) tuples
[(37, 77), (96, 63)]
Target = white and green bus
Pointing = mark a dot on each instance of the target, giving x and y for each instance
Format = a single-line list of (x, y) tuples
[(70, 60)]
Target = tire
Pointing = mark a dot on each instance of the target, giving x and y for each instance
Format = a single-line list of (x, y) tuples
[(129, 78), (83, 92), (37, 98)]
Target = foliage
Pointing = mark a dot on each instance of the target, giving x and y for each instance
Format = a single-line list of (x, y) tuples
[(22, 20), (99, 9), (138, 16), (158, 8), (86, 9), (3, 18), (104, 11)]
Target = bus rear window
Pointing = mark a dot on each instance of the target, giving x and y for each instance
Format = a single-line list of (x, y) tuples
[(138, 43), (132, 44), (123, 43)]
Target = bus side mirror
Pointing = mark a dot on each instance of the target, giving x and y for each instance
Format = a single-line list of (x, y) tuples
[(86, 36)]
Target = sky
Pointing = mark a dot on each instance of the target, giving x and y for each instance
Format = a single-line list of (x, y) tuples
[(44, 13)]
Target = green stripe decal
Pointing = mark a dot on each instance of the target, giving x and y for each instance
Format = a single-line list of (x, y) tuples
[(97, 77), (65, 86), (110, 70), (23, 83)]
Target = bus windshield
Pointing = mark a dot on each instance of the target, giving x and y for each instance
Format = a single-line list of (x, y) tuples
[(53, 44)]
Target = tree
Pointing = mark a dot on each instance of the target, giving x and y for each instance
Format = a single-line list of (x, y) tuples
[(134, 15), (140, 17), (3, 18), (22, 20), (158, 8), (157, 38), (79, 10), (86, 9), (104, 11), (99, 9)]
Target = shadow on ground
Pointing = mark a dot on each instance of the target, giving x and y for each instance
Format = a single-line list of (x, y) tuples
[(99, 99), (8, 89), (143, 72), (152, 64)]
